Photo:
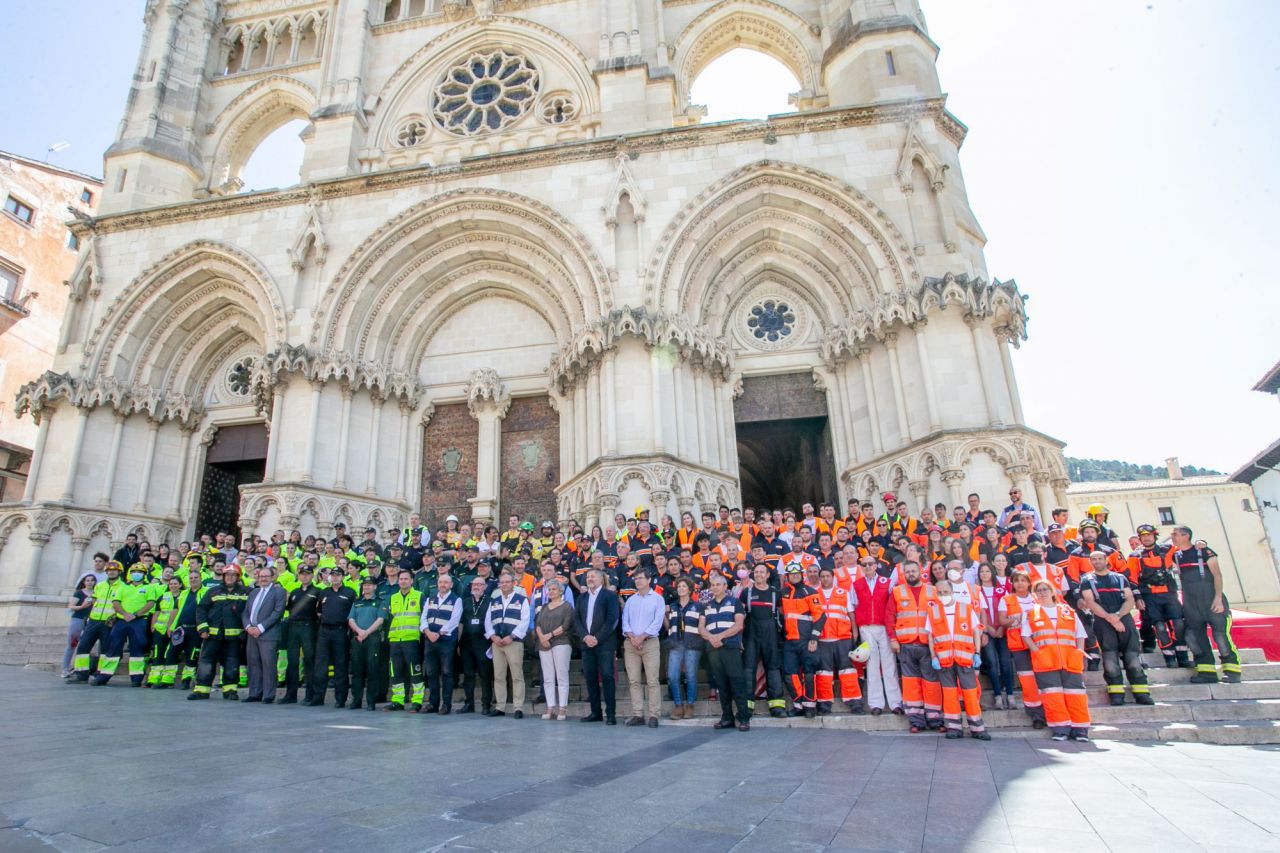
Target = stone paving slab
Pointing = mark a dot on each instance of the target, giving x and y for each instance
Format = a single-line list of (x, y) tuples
[(84, 769)]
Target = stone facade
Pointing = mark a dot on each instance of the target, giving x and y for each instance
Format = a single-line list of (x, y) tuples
[(513, 200)]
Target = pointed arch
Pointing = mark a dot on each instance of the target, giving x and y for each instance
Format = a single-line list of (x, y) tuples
[(755, 24), (456, 244), (771, 214), (190, 295), (249, 118)]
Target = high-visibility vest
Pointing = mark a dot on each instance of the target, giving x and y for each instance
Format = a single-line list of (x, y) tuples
[(406, 612), (801, 608), (1013, 607), (909, 623), (103, 594), (133, 597), (1057, 643), (440, 612), (952, 635), (505, 618), (1051, 573), (839, 624)]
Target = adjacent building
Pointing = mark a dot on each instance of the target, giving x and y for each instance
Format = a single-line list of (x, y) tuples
[(38, 254), (1218, 509), (1262, 473)]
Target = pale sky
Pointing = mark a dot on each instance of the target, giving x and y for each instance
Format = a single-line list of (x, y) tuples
[(1122, 159)]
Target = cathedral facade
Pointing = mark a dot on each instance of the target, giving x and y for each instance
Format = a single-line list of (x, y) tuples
[(519, 276)]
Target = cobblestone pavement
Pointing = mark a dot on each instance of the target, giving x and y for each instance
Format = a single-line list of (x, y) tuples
[(86, 768)]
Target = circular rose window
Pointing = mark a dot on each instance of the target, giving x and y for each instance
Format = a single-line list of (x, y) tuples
[(485, 92), (771, 320)]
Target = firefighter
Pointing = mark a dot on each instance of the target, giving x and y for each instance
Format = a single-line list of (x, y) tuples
[(1158, 596), (1206, 609), (762, 638), (1109, 596), (218, 621), (803, 620)]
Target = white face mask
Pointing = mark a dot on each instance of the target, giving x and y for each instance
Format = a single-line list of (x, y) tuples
[(945, 599), (955, 574)]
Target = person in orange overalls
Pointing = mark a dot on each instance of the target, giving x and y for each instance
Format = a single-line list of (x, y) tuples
[(1055, 637), (954, 636)]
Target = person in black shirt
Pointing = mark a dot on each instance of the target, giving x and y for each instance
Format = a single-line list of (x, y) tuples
[(762, 639), (1108, 596), (301, 624), (334, 608), (474, 647), (1205, 608)]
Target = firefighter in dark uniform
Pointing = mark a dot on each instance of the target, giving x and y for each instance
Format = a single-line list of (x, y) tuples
[(804, 618), (300, 626), (1109, 597), (1205, 609), (1158, 596), (218, 621), (762, 640), (334, 607)]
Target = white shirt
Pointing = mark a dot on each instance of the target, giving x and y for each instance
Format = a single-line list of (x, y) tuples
[(591, 604), (257, 604), (1053, 619)]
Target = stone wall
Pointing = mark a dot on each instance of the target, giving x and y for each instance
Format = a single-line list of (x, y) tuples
[(449, 463), (530, 469)]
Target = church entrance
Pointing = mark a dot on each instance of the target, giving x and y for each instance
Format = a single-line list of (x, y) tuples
[(784, 442), (237, 457)]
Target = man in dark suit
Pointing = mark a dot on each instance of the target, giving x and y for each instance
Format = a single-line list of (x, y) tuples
[(596, 619), (262, 623)]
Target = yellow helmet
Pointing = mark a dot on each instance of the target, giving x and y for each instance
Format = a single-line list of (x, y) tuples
[(1096, 510)]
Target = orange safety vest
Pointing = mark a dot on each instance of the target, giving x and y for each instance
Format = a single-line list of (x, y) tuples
[(1013, 607), (1057, 643), (839, 625), (843, 579), (685, 538), (804, 559), (1054, 575), (909, 623), (952, 638)]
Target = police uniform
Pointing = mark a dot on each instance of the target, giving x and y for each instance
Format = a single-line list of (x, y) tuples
[(366, 654), (725, 663), (1121, 650), (473, 647), (334, 607), (301, 626)]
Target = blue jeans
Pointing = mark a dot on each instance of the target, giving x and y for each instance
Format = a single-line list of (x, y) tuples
[(683, 662), (999, 665)]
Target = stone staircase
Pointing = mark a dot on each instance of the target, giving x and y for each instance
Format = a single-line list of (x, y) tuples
[(40, 647)]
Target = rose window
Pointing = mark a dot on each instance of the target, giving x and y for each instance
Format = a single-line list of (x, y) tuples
[(771, 320), (239, 377), (485, 92), (559, 109), (411, 133)]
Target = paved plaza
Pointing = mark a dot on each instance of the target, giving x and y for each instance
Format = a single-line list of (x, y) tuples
[(86, 768)]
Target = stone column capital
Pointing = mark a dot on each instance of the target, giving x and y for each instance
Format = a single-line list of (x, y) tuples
[(487, 393)]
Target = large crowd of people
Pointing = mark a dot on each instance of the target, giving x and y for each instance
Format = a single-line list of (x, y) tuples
[(889, 612)]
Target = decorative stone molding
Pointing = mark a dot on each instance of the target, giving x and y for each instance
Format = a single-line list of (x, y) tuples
[(278, 366), (655, 328), (661, 478), (158, 405), (485, 388), (999, 302), (292, 501)]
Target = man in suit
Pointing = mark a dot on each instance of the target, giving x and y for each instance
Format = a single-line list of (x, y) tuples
[(596, 620), (262, 623)]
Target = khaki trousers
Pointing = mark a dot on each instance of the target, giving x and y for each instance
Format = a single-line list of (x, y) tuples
[(508, 658), (643, 663)]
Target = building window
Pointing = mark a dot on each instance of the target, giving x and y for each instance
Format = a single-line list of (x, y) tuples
[(1166, 515), (86, 196), (10, 282), (771, 320), (890, 64), (73, 242), (19, 211), (485, 92)]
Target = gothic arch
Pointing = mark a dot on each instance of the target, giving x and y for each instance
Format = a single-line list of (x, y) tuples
[(188, 292), (827, 234), (756, 24), (250, 117), (999, 451), (460, 239), (561, 64)]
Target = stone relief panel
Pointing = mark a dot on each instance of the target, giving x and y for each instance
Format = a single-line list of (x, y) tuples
[(450, 446), (530, 467)]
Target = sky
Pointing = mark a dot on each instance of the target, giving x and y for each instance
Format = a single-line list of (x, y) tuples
[(1121, 159)]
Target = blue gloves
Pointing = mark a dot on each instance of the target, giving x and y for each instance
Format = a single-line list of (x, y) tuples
[(977, 662), (936, 663)]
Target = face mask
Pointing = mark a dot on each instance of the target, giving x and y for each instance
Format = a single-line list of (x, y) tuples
[(945, 599), (955, 575), (135, 576)]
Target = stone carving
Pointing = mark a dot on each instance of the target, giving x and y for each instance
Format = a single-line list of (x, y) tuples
[(484, 387), (450, 459)]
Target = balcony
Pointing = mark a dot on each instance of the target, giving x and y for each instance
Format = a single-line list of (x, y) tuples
[(13, 306)]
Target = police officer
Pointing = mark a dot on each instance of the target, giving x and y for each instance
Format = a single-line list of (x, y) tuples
[(1158, 596), (762, 639), (1109, 597), (1206, 609), (440, 619), (300, 628), (473, 646), (334, 607), (365, 622)]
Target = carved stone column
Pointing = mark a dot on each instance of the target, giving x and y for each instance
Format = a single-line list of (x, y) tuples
[(344, 433), (1060, 485), (1004, 338), (38, 541), (954, 478), (37, 458), (993, 409), (402, 460), (113, 459), (608, 507), (78, 546), (371, 475), (899, 392), (926, 374), (144, 485), (313, 432), (488, 401), (1044, 495), (920, 491), (77, 445), (869, 388)]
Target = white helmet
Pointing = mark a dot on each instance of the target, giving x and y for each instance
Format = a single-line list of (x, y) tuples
[(861, 654)]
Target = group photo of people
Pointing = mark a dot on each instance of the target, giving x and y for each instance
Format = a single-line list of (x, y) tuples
[(763, 611)]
